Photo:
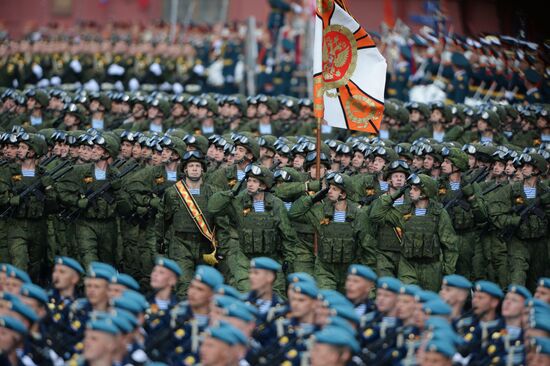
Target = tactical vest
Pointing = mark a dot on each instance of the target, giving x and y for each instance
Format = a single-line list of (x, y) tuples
[(99, 208), (387, 239), (258, 234), (337, 243), (305, 231), (31, 207), (182, 221), (533, 226), (420, 237)]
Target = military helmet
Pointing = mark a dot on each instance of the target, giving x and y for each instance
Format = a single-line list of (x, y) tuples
[(456, 156), (270, 102), (162, 105), (36, 142), (109, 143), (174, 143), (287, 174), (403, 149), (264, 175), (267, 141), (341, 181), (311, 159), (76, 110), (249, 143), (421, 107), (534, 159), (47, 133), (198, 141), (194, 156), (397, 166), (103, 99), (490, 117), (445, 110), (426, 183), (290, 103), (40, 96), (387, 153)]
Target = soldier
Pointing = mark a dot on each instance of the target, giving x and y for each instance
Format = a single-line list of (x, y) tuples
[(96, 229), (543, 289), (333, 346), (100, 105), (388, 237), (262, 223), (185, 236), (262, 276), (27, 231), (360, 282), (222, 345), (12, 335), (438, 351), (336, 222), (455, 291), (65, 278), (100, 342)]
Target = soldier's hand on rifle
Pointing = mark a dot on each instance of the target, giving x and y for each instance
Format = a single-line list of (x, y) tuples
[(15, 201), (155, 202), (319, 196), (237, 188), (47, 181), (82, 203), (468, 190), (401, 191)]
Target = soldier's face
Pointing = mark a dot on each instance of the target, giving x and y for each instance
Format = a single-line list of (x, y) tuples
[(22, 151), (398, 179), (126, 149), (512, 306), (510, 168), (527, 170), (97, 345), (434, 359), (446, 166), (313, 171), (543, 294), (436, 115), (428, 162), (418, 161), (415, 115), (96, 290), (219, 154), (482, 302), (260, 279), (358, 159), (298, 162), (415, 193), (116, 290), (498, 168), (199, 294), (262, 110), (240, 152), (98, 153), (214, 352), (94, 106), (345, 160), (282, 159), (453, 295), (251, 111), (156, 157), (162, 278), (152, 112), (327, 355), (385, 300), (63, 277), (138, 111), (285, 113), (378, 164), (357, 288), (482, 125), (61, 149), (177, 110), (193, 170), (405, 307), (335, 193), (13, 285), (136, 151), (252, 185), (69, 120), (11, 151), (9, 340), (301, 305)]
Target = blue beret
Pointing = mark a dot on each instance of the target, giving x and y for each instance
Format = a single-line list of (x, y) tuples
[(4, 267), (437, 307), (300, 277), (541, 345), (103, 266), (520, 290), (169, 264), (306, 288), (71, 263), (22, 309), (12, 323), (265, 263), (459, 60), (123, 325), (128, 316), (227, 334), (346, 312), (540, 320), (338, 337), (544, 282), (537, 305), (99, 273), (227, 290), (459, 281), (7, 296), (125, 280), (410, 290), (362, 271), (36, 292), (423, 296), (103, 325), (128, 304), (332, 297), (137, 297), (445, 348), (14, 272), (489, 288), (448, 335), (209, 276), (435, 323), (223, 301), (532, 76), (239, 312), (389, 284), (340, 322)]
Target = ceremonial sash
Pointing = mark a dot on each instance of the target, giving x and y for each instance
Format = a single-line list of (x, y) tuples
[(195, 212)]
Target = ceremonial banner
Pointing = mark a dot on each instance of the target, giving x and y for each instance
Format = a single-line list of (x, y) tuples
[(349, 73)]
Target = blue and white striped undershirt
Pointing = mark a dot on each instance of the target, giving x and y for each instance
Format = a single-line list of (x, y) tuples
[(485, 139), (360, 310), (171, 175), (263, 305), (99, 174), (259, 206), (383, 185), (264, 129), (240, 175), (195, 191), (399, 201), (206, 130), (153, 127), (288, 205), (420, 211), (162, 304), (339, 216), (530, 192), (439, 136), (455, 186), (27, 172), (202, 320)]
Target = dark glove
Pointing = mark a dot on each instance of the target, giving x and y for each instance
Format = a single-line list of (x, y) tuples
[(82, 203), (401, 191), (47, 181), (319, 196), (15, 200), (237, 188), (468, 190)]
